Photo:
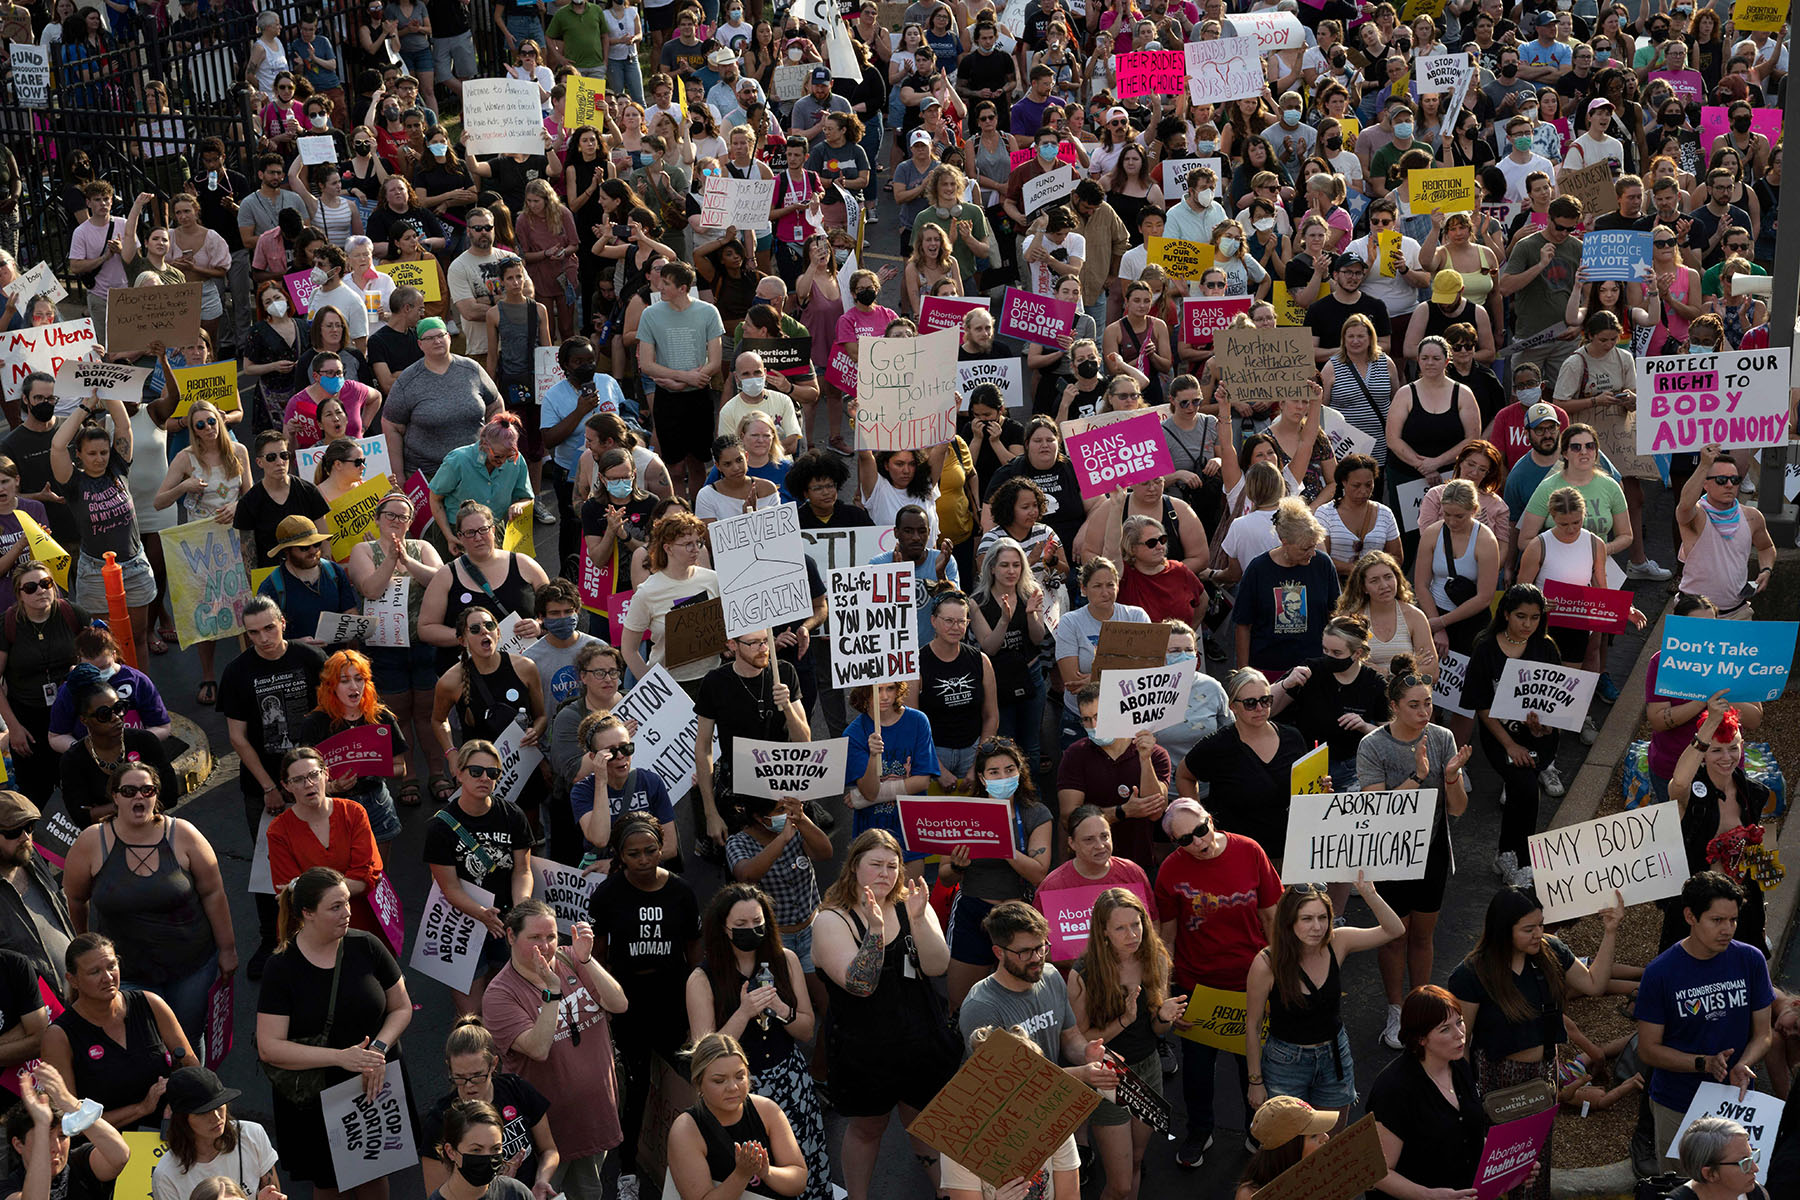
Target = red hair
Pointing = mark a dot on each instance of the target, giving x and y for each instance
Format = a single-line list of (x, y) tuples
[(1727, 731), (333, 671)]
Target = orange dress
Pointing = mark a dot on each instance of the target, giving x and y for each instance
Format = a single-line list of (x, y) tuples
[(294, 848)]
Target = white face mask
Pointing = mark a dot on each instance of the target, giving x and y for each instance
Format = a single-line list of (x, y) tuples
[(278, 308), (751, 385)]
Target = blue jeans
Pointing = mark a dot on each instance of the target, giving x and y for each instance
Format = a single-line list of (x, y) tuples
[(1343, 774), (624, 75), (801, 944), (186, 997), (874, 128), (958, 760), (1311, 1072), (526, 27), (1097, 310), (1198, 1062)]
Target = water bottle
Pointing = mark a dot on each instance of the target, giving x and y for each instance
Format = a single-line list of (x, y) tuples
[(764, 978), (524, 719), (212, 181)]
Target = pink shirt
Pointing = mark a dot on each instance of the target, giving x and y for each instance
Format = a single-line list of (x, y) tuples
[(89, 241), (302, 413), (510, 1007), (855, 323)]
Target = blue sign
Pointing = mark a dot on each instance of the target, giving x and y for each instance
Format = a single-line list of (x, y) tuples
[(1747, 660), (1622, 254)]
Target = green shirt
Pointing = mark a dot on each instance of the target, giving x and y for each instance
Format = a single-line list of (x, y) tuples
[(581, 36), (978, 229), (1709, 278), (1605, 501), (1540, 303)]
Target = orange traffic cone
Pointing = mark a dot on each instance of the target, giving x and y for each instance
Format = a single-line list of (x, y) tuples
[(118, 613)]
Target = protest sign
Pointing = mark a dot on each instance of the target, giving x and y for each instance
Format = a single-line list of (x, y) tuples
[(217, 1038), (875, 627), (1270, 31), (1223, 70), (1621, 254), (1151, 699), (1129, 646), (667, 728), (1441, 190), (38, 281), (1638, 853), (373, 449), (803, 770), (1593, 186), (584, 101), (1041, 191), (1070, 912), (137, 317), (110, 381), (761, 564), (389, 611), (318, 148), (1446, 694), (1288, 312), (939, 824), (1409, 497), (906, 391), (694, 631), (1311, 773), (1349, 1164), (30, 75), (502, 116), (781, 356), (1142, 1102), (1601, 610), (147, 1148), (1715, 122), (1738, 400), (1767, 16), (366, 751), (1007, 374), (1267, 366), (517, 760), (1182, 260), (262, 879), (352, 515), (1026, 316), (1437, 74), (1120, 454), (1217, 1018), (1149, 73), (422, 275), (546, 373), (449, 940), (519, 535), (384, 902), (842, 546), (1078, 425), (1005, 1111), (1174, 183), (945, 312), (790, 80), (45, 548), (336, 627), (743, 203), (44, 348), (1747, 660), (370, 1139), (216, 383), (1065, 153), (1203, 317), (566, 889), (207, 581), (1758, 1112), (1331, 838), (1509, 1153), (1558, 695), (840, 371), (1345, 438)]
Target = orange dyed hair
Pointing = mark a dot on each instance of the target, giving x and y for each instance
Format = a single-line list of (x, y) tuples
[(334, 669)]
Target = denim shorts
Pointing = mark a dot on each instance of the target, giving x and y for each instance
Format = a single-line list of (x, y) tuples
[(404, 668), (801, 944), (1310, 1072), (959, 761), (417, 61), (90, 585), (384, 819)]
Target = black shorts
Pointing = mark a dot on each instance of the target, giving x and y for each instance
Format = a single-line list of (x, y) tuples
[(660, 20), (1571, 644), (1408, 896), (684, 424)]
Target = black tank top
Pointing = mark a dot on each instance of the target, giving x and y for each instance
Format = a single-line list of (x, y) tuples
[(490, 702), (952, 694), (1431, 434), (514, 594), (721, 1140), (1012, 663), (1313, 1018), (117, 1075)]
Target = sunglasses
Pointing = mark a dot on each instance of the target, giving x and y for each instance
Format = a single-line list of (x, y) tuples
[(1561, 228), (358, 463), (131, 791), (35, 586), (206, 422), (1407, 681), (1263, 701), (1723, 480), (1158, 540), (109, 712), (18, 831), (483, 626), (1581, 446), (1202, 830), (273, 458), (622, 750), (483, 772), (480, 228), (1664, 243)]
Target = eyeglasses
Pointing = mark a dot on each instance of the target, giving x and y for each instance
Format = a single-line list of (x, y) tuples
[(622, 750), (1744, 1163), (306, 777), (109, 712), (35, 586), (471, 1080), (1724, 480), (477, 531), (1263, 701), (483, 772), (604, 672), (131, 791), (1041, 950), (483, 626)]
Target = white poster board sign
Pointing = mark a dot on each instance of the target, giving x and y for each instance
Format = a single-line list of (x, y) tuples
[(1446, 694), (1384, 835), (321, 148), (392, 628), (875, 624), (566, 889), (1758, 1112), (667, 728), (1638, 852), (1007, 374), (744, 203), (31, 75), (373, 449), (1559, 695), (82, 378), (38, 281), (1048, 188), (1224, 70), (803, 770), (503, 116), (760, 559), (370, 1139), (1152, 698), (450, 942), (262, 876), (1410, 496)]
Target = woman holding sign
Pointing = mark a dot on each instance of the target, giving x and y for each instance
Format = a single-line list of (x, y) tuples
[(1426, 1104), (1715, 797), (348, 701), (317, 831)]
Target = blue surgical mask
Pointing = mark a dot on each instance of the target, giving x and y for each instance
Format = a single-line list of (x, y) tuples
[(1229, 246), (331, 385), (560, 627), (1102, 742), (1176, 656), (1047, 151), (1529, 395), (778, 822), (1290, 116), (439, 149), (1002, 789), (618, 489), (1403, 130), (1204, 148)]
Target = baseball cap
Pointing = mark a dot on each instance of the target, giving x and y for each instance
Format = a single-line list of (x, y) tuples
[(1446, 286), (1116, 113), (1546, 18), (821, 75), (197, 1090), (1281, 1119), (1599, 102), (1340, 262), (1540, 412), (919, 135)]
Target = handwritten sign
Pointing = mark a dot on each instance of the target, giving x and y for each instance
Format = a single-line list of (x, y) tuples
[(1758, 1112), (1267, 366), (694, 631), (318, 148), (1747, 660), (1150, 72), (207, 582), (1270, 31), (1637, 852), (668, 728), (1738, 400), (1441, 190), (1181, 259), (1150, 699), (502, 116), (803, 770), (1593, 186), (875, 627), (1025, 316), (1202, 318), (1007, 374), (137, 317), (216, 383), (1120, 455), (450, 942), (370, 1139), (44, 348), (1767, 16), (1558, 695), (40, 280), (373, 449), (1383, 835), (1348, 1165), (906, 391), (1621, 254), (761, 563), (1217, 1018), (1599, 609), (743, 203), (110, 381), (1223, 70), (790, 80)]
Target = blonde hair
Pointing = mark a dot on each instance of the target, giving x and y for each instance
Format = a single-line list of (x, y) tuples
[(1295, 524), (777, 451), (1462, 494)]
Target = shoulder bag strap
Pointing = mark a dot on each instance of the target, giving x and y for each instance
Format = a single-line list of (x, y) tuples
[(466, 840), (337, 970)]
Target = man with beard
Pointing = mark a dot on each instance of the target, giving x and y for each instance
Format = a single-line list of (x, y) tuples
[(978, 338), (1025, 991), (34, 920), (743, 698), (475, 280), (935, 573)]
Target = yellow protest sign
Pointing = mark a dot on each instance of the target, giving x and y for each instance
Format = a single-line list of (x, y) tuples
[(1765, 15), (45, 549), (257, 577), (1182, 260), (1421, 8), (519, 534), (583, 101), (352, 516), (1387, 249), (1217, 1019), (1310, 771), (1350, 127), (207, 582), (1441, 189), (215, 383), (422, 275), (134, 1181)]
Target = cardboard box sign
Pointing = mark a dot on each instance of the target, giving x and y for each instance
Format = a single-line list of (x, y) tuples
[(692, 632), (1130, 646)]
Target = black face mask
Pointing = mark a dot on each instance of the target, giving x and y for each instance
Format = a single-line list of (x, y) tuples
[(45, 411), (867, 296), (1338, 60), (748, 938), (363, 147), (1334, 143), (1509, 70), (1740, 124), (1671, 119), (580, 375), (479, 1169), (1088, 369)]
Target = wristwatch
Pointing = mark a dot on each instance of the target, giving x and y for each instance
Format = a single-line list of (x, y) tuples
[(550, 995), (1700, 1064), (378, 1046)]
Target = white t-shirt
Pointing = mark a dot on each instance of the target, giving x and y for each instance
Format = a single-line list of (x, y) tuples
[(1040, 278), (1584, 151), (473, 277), (954, 1177), (347, 300), (713, 505), (1250, 535), (778, 405), (1516, 172), (650, 605), (251, 1159)]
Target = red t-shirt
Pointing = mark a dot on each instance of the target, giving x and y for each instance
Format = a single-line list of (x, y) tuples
[(1214, 904), (1509, 431), (1170, 595)]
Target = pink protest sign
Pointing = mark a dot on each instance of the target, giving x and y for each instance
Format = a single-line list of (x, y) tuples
[(947, 312), (840, 372), (1689, 85), (939, 824), (419, 492), (366, 751), (1070, 911), (1601, 610), (219, 999), (590, 581), (1034, 318), (385, 901), (1201, 319), (1151, 72), (1120, 454), (300, 288), (9, 1078), (1510, 1152), (1715, 120), (1065, 153)]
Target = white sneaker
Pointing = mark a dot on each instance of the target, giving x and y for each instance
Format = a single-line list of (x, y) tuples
[(1648, 569), (1506, 864), (628, 1186), (1552, 782), (1521, 878), (1590, 732), (1390, 1033)]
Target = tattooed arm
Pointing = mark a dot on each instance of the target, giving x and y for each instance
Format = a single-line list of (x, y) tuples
[(852, 964)]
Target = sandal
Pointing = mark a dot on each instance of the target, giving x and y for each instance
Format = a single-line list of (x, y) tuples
[(442, 788), (410, 794), (838, 443), (156, 643), (208, 693)]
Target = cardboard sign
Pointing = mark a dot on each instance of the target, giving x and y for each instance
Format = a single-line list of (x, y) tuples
[(502, 116), (1349, 1164), (1738, 400), (1748, 660), (1638, 852), (1150, 73), (318, 148), (906, 391), (110, 381), (875, 627), (38, 281), (1007, 374), (1758, 1112), (1446, 694), (584, 101), (1119, 455), (217, 1041), (945, 312), (1311, 772), (370, 1139), (137, 317), (1070, 912), (667, 728), (761, 563), (44, 348), (790, 80), (803, 770), (207, 581), (1593, 186), (450, 942), (1041, 191), (373, 449), (1509, 1153), (1558, 695), (566, 889), (694, 631), (1028, 317), (939, 824), (743, 203), (422, 275), (335, 627), (352, 516), (1223, 70), (1599, 609), (1621, 254), (1129, 646), (1382, 835), (366, 751), (1267, 366), (1182, 260), (262, 879), (216, 383), (1441, 190), (1150, 699), (1217, 1018)]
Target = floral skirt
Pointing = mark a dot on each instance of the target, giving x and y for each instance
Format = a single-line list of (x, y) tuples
[(789, 1083)]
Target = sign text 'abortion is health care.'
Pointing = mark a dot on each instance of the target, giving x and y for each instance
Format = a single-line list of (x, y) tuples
[(1747, 660), (1638, 853), (1119, 455), (1737, 400), (1334, 836)]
